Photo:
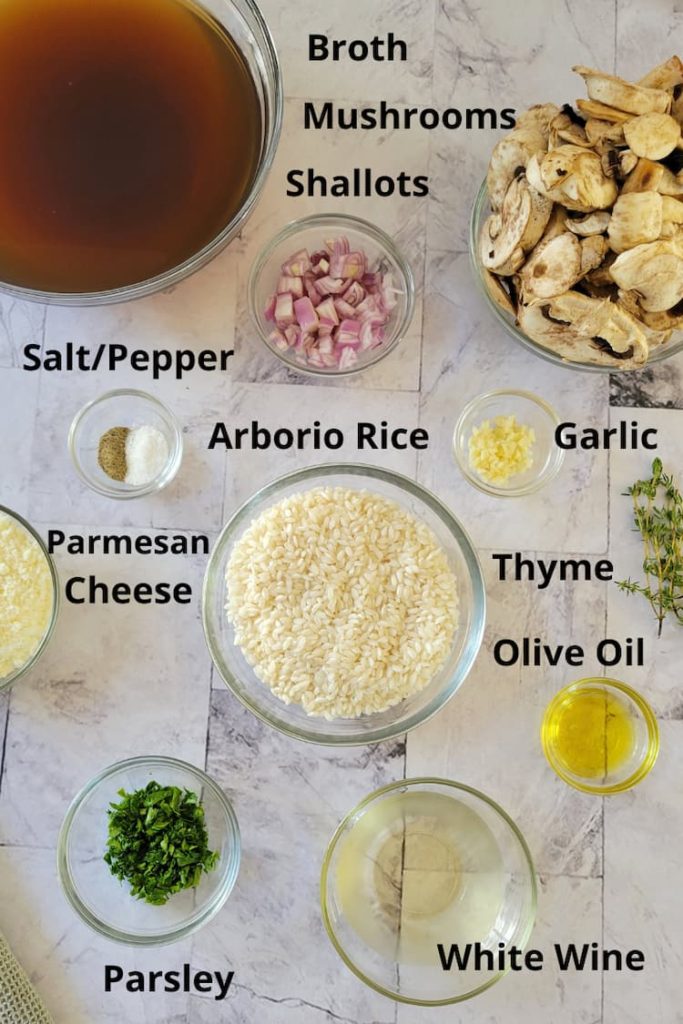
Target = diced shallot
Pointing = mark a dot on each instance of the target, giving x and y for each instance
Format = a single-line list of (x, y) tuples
[(284, 310), (298, 264), (306, 316), (331, 285), (278, 339), (330, 306), (354, 294), (327, 314), (295, 285), (344, 309)]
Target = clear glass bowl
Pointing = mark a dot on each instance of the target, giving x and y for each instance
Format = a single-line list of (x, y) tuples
[(529, 410), (104, 902), (480, 212), (122, 408), (421, 862), (6, 681), (244, 22), (310, 233), (630, 770), (291, 718)]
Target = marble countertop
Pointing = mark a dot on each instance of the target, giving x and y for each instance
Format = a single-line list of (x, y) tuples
[(122, 681)]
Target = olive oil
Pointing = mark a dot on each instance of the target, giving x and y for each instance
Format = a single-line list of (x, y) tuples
[(130, 133), (592, 733), (418, 869)]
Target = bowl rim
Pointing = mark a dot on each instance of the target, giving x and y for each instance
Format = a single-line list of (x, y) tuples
[(199, 919), (319, 220), (476, 631), (162, 479), (272, 129), (657, 355), (425, 780), (554, 464), (9, 680), (647, 714)]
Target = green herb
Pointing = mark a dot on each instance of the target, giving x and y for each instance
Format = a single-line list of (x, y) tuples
[(658, 515), (158, 841)]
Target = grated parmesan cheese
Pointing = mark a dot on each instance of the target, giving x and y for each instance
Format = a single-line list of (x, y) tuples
[(26, 595), (501, 449)]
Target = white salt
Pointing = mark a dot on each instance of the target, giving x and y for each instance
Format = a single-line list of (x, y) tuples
[(146, 455)]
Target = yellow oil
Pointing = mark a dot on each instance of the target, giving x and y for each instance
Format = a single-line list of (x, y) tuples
[(419, 868), (591, 733)]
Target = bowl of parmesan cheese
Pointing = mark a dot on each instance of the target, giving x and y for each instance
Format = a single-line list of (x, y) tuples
[(29, 596)]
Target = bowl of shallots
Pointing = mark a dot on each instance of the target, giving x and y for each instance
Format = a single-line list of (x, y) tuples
[(331, 295)]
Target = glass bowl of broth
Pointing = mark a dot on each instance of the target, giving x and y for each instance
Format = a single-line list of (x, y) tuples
[(136, 136)]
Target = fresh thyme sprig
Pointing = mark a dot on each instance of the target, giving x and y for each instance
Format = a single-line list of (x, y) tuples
[(661, 528)]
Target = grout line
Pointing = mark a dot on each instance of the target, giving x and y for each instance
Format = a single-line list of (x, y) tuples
[(207, 738), (3, 752)]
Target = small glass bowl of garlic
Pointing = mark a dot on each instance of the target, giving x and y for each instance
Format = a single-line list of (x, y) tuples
[(504, 443)]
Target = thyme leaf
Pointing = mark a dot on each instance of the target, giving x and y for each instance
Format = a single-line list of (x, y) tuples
[(658, 517)]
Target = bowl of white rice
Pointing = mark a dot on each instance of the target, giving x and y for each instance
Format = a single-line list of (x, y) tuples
[(343, 604)]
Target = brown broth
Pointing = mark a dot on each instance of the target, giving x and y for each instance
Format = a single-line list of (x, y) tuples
[(130, 133)]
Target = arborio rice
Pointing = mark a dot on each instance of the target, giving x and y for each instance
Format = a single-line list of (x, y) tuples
[(341, 601)]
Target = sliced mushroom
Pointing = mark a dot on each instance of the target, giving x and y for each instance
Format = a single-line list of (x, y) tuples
[(508, 236), (510, 156), (657, 327), (500, 296), (553, 268), (610, 161), (574, 177), (593, 251), (598, 282), (539, 117), (653, 270), (598, 132), (564, 129), (606, 323), (557, 223), (601, 112), (672, 210), (664, 76), (592, 224), (636, 218), (646, 175), (677, 105), (576, 327), (628, 162), (669, 184), (587, 315), (652, 136), (615, 92), (514, 150)]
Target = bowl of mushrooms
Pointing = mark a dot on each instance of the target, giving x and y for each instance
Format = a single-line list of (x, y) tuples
[(577, 233)]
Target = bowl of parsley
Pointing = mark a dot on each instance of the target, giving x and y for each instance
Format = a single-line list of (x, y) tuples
[(149, 851)]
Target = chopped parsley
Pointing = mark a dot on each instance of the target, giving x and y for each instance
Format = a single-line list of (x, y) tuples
[(158, 841)]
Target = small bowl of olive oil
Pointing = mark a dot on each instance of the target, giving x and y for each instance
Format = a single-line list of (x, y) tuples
[(600, 736)]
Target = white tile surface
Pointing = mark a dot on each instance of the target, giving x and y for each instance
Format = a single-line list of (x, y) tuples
[(118, 681), (643, 904)]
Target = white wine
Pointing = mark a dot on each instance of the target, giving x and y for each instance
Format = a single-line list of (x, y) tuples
[(418, 869)]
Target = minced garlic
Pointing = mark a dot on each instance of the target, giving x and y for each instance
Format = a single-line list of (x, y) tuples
[(26, 595), (501, 449)]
